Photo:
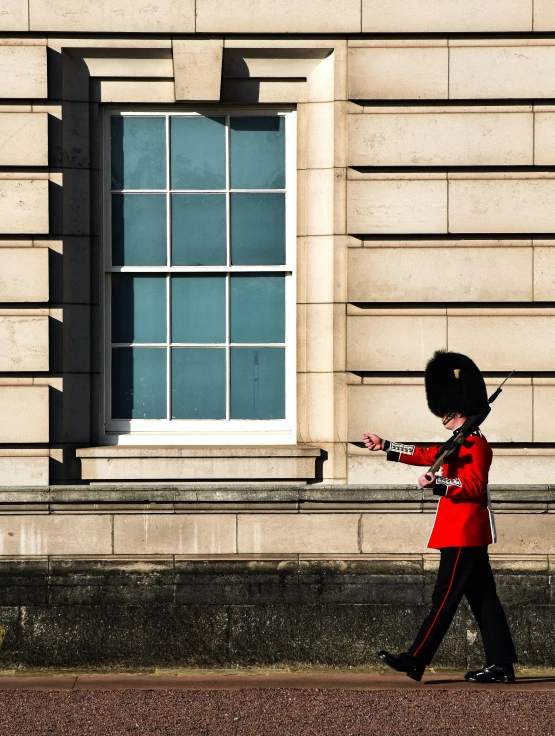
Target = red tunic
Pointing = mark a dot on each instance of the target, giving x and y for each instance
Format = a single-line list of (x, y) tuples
[(463, 516)]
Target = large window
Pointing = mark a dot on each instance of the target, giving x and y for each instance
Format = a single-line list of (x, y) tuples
[(198, 287)]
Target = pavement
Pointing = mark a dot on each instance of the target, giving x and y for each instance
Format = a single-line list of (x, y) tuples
[(265, 679), (272, 703)]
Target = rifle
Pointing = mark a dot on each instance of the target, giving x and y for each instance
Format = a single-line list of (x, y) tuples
[(454, 443)]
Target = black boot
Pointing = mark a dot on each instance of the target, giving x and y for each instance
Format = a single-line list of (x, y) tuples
[(404, 662), (493, 673)]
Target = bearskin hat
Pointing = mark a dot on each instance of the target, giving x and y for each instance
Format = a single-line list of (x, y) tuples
[(454, 384)]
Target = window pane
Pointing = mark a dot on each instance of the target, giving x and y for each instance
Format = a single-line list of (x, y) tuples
[(138, 153), (138, 308), (198, 308), (198, 383), (257, 229), (198, 230), (197, 153), (257, 383), (257, 308), (138, 383), (257, 153), (139, 230)]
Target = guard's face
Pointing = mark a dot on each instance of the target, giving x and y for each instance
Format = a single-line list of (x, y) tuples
[(452, 421)]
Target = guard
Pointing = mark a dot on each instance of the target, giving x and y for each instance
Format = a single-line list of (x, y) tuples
[(463, 527)]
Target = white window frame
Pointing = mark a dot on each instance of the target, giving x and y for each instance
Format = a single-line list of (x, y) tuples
[(202, 431)]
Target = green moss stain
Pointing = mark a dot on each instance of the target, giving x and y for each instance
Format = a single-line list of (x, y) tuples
[(3, 632)]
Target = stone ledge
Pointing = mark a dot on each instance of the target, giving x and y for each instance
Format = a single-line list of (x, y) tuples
[(198, 463), (265, 451), (256, 493)]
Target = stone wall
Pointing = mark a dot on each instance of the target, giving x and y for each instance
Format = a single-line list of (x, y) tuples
[(425, 219)]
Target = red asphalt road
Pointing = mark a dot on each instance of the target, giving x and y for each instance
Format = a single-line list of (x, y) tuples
[(273, 705)]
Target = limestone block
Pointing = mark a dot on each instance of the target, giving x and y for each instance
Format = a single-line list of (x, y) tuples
[(24, 414), (15, 15), (501, 72), (431, 274), (23, 206), (395, 533), (319, 338), (521, 466), (441, 139), (395, 412), (278, 63), (373, 469), (544, 416), (340, 202), (319, 201), (24, 471), (23, 274), (440, 16), (315, 407), (400, 412), (505, 341), (23, 72), (393, 343), (398, 73), (525, 534), (76, 135), (269, 16), (544, 274), (66, 534), (319, 269), (502, 205), (135, 90), (190, 463), (107, 16), (23, 139), (127, 63), (511, 468), (396, 206), (544, 138), (250, 91), (297, 533), (191, 534), (23, 344), (320, 139), (544, 15), (197, 67)]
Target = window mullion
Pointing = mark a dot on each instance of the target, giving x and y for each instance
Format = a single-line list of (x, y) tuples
[(228, 277), (168, 277)]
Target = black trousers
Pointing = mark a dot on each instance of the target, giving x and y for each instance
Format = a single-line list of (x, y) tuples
[(466, 571)]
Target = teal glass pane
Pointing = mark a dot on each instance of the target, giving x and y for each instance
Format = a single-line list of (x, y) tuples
[(198, 383), (139, 383), (257, 383), (198, 230), (139, 230), (257, 153), (138, 153), (197, 153), (138, 308), (198, 308), (257, 307), (257, 229)]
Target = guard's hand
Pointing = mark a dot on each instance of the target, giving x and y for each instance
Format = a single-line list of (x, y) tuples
[(427, 480), (373, 442)]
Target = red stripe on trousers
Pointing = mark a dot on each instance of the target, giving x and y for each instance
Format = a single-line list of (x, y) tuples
[(442, 604)]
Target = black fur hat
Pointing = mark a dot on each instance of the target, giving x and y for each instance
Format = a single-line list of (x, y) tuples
[(454, 384)]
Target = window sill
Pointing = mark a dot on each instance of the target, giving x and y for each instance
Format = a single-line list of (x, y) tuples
[(129, 463)]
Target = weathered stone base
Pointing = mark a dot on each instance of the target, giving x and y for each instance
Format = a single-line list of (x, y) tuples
[(87, 614)]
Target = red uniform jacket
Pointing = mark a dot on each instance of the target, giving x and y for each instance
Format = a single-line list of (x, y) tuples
[(463, 517)]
